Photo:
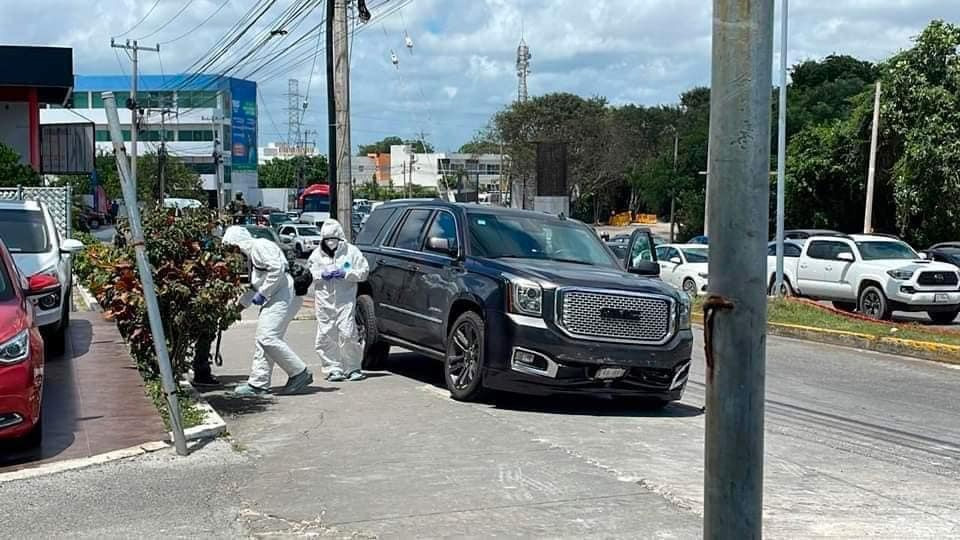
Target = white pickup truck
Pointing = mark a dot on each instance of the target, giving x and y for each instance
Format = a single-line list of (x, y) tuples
[(875, 275)]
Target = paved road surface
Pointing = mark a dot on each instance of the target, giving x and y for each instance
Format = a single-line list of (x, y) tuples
[(857, 444)]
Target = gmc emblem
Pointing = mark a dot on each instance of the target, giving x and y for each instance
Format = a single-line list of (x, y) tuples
[(621, 314)]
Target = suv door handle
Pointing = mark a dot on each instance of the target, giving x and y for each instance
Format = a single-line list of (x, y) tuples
[(381, 262), (828, 268), (413, 267)]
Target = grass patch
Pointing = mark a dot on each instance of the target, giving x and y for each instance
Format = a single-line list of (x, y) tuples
[(803, 314), (190, 415)]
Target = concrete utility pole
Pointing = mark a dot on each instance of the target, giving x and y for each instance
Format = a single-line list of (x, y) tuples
[(782, 146), (146, 275), (872, 172), (217, 127), (673, 194), (341, 78), (133, 48), (162, 156), (735, 312)]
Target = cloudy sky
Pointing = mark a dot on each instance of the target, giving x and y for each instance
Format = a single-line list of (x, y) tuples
[(461, 67)]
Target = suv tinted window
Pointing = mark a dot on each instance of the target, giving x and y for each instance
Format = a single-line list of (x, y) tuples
[(371, 230), (789, 250), (444, 226), (409, 235), (24, 231), (827, 250)]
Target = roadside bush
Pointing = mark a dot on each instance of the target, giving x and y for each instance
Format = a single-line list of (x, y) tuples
[(197, 285)]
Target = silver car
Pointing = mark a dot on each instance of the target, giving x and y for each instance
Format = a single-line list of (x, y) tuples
[(43, 257)]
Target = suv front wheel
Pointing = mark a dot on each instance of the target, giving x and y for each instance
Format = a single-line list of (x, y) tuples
[(463, 364), (375, 351), (873, 303)]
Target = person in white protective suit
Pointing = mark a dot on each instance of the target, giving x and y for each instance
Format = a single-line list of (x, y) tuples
[(337, 266), (275, 294)]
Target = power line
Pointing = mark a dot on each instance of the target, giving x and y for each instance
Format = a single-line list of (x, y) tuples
[(170, 20), (134, 27), (197, 27)]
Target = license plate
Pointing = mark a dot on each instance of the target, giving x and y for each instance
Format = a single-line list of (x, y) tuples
[(610, 373), (941, 298)]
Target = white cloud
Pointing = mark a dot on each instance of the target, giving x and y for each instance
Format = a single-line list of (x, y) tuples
[(462, 67)]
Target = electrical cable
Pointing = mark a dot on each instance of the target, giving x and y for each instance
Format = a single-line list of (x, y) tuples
[(197, 27), (138, 23), (170, 20)]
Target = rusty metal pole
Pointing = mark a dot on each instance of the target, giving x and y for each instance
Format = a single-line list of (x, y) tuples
[(736, 309)]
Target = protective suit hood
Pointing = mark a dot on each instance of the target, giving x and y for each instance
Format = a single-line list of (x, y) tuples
[(236, 235), (332, 229)]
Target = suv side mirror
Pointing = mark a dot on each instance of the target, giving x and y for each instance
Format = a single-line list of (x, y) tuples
[(70, 246), (848, 257), (644, 268), (441, 245)]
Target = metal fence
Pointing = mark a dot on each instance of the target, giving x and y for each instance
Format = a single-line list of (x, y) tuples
[(58, 200)]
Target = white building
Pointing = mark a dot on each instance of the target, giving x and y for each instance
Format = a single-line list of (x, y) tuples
[(428, 170), (199, 106), (283, 151)]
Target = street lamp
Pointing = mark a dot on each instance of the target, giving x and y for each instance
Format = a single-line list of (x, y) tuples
[(781, 147)]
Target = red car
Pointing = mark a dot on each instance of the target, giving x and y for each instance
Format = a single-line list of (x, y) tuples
[(21, 354)]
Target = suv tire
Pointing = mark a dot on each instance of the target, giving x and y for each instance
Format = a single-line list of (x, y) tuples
[(464, 358), (786, 290), (943, 317), (375, 352), (873, 303)]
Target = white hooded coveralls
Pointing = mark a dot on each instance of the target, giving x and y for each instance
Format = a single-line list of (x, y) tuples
[(337, 344), (270, 278)]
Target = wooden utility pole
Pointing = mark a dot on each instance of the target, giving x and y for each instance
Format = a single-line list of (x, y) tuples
[(872, 171), (341, 81)]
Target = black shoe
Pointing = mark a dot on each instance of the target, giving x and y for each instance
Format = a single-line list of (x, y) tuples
[(206, 380)]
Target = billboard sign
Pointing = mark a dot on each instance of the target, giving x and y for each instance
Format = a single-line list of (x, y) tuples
[(243, 125), (67, 148)]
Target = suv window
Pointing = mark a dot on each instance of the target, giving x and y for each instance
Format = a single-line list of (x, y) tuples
[(24, 231), (410, 233), (667, 253), (288, 231), (827, 250), (444, 226), (789, 250), (641, 250), (534, 237), (375, 223)]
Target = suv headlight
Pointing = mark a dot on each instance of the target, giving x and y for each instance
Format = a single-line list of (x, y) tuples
[(900, 275), (15, 350), (526, 297), (683, 312)]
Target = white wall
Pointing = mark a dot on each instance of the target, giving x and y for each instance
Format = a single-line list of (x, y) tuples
[(15, 128)]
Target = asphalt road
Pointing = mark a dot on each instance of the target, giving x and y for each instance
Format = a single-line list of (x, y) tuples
[(857, 444)]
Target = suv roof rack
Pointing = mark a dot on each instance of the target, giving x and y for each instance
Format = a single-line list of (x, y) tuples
[(882, 235)]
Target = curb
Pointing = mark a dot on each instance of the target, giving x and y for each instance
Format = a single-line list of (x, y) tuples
[(924, 350), (213, 425), (83, 463), (88, 298)]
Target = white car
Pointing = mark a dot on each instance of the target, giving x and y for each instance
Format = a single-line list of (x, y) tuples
[(303, 238), (877, 275), (43, 257), (685, 266), (791, 254)]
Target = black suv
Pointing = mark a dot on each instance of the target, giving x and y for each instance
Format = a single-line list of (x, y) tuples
[(520, 301)]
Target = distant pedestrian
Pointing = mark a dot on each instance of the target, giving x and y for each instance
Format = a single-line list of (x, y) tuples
[(275, 294), (337, 266)]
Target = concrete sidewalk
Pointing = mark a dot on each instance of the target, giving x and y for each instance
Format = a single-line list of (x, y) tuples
[(93, 399)]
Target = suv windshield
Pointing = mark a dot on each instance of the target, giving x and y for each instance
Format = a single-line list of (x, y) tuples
[(24, 231), (533, 237), (695, 255), (878, 251), (262, 232), (308, 231)]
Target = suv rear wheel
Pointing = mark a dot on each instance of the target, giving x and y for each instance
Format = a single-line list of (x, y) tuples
[(873, 303), (375, 352), (463, 364)]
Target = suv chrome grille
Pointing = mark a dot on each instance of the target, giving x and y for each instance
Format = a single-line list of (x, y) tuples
[(614, 316), (937, 279)]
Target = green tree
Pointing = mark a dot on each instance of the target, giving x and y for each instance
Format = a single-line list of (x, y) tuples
[(12, 172), (179, 179), (383, 146), (285, 173)]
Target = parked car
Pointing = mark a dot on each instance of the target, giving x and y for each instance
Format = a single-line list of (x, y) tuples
[(278, 219), (947, 252), (258, 231), (21, 356), (44, 258), (519, 301), (685, 266), (88, 219), (702, 240), (876, 275), (303, 239), (791, 252)]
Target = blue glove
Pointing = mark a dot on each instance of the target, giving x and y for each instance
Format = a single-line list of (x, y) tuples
[(334, 274), (259, 299)]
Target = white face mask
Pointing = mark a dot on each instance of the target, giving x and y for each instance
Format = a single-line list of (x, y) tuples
[(332, 244)]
